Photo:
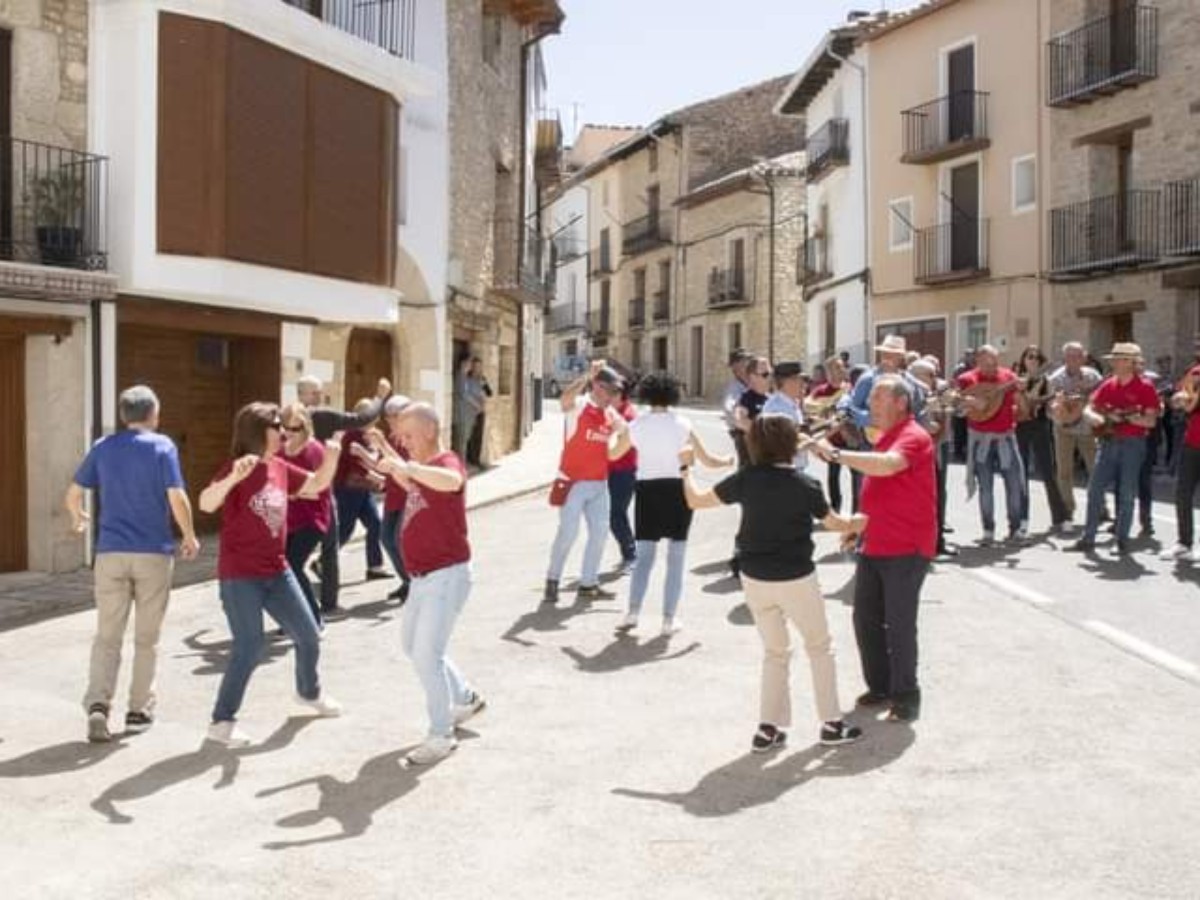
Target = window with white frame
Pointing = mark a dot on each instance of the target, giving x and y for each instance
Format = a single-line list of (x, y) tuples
[(1024, 184), (900, 224)]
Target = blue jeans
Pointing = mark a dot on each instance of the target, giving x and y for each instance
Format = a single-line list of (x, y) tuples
[(391, 542), (245, 600), (300, 545), (434, 602), (586, 499), (1014, 489), (672, 590), (621, 486), (354, 506), (1118, 461)]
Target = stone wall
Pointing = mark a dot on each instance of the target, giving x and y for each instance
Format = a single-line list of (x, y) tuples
[(50, 40)]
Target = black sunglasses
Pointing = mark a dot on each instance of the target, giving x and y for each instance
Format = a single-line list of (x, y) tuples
[(293, 429), (277, 425)]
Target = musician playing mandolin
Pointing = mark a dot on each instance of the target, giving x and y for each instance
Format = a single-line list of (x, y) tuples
[(1072, 384), (825, 397), (1187, 400), (1035, 438), (989, 397), (1125, 407)]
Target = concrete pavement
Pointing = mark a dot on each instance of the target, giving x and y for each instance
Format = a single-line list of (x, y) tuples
[(1049, 762)]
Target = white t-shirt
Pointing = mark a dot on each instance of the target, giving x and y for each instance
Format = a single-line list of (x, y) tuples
[(658, 437)]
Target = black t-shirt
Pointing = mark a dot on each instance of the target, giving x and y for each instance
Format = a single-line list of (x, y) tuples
[(778, 507), (752, 402)]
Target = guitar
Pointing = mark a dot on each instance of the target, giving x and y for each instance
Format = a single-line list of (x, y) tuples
[(1029, 403), (1104, 423), (840, 424), (1066, 409), (991, 396)]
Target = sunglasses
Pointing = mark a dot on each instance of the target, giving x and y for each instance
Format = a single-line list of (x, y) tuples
[(293, 429), (277, 425), (762, 374)]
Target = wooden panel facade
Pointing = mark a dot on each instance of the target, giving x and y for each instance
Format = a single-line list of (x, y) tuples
[(14, 524), (368, 358)]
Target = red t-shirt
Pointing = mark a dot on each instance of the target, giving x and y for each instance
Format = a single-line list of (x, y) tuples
[(1191, 437), (434, 533), (302, 514), (1135, 395), (394, 496), (351, 471), (585, 456), (628, 462), (254, 519), (1005, 418), (901, 509)]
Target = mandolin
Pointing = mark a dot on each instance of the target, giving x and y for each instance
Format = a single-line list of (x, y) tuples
[(992, 395), (1104, 423), (1067, 409)]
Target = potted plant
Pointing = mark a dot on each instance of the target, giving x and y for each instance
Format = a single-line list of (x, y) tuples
[(57, 202)]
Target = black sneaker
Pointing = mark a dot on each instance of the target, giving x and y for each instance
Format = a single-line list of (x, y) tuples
[(870, 698), (97, 724), (767, 738), (400, 593), (595, 592), (1083, 545), (137, 722), (550, 594), (834, 733), (904, 712), (378, 574), (1121, 548)]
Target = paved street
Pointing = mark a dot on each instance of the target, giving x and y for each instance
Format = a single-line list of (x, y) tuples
[(1057, 755)]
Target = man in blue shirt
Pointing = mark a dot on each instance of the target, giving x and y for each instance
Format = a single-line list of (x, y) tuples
[(787, 400), (136, 474)]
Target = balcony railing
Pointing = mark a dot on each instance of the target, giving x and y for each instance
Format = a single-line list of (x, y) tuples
[(565, 317), (52, 205), (954, 251), (601, 261), (599, 325), (1105, 233), (637, 313), (727, 287), (390, 25), (644, 234), (828, 147), (1181, 217), (519, 266), (662, 307), (568, 247), (946, 127), (816, 259), (1103, 56)]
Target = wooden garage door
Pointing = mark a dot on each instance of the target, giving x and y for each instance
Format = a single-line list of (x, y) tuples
[(13, 523), (368, 358)]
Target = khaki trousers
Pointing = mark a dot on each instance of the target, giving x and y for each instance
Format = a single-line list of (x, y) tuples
[(124, 581), (1065, 445), (772, 604)]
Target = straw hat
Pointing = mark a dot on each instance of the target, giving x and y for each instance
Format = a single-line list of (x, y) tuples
[(892, 343), (1124, 351)]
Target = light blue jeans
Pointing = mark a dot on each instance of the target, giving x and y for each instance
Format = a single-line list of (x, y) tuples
[(1014, 488), (1118, 461), (586, 500), (434, 602), (672, 589)]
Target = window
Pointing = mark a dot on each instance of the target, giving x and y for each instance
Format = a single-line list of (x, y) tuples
[(737, 268), (735, 337), (605, 254), (696, 384), (652, 156), (972, 331), (900, 224), (660, 354), (493, 38), (639, 283), (571, 348), (572, 288), (508, 371), (664, 278), (635, 354), (653, 196), (1024, 184), (829, 329)]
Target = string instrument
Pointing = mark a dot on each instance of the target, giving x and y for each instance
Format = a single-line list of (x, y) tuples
[(839, 423), (820, 408), (1066, 408), (1028, 404), (991, 394), (1104, 423), (1186, 397)]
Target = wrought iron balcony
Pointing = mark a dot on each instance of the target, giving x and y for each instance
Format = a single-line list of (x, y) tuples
[(1103, 56), (567, 247), (815, 266), (644, 234), (390, 25), (1181, 218), (827, 148), (601, 261), (954, 251), (519, 266), (52, 205), (944, 128), (599, 325), (1105, 233), (637, 313), (662, 307), (565, 317), (727, 287)]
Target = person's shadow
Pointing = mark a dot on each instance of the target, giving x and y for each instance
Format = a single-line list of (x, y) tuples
[(214, 655), (755, 779), (59, 759), (352, 804), (625, 651), (376, 612), (178, 769), (546, 618)]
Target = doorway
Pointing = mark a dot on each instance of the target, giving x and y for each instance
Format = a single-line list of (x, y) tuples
[(964, 217), (368, 358), (960, 84), (14, 525)]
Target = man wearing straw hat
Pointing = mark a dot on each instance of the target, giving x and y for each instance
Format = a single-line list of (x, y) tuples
[(1126, 406)]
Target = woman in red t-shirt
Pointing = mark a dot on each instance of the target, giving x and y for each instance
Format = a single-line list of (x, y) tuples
[(307, 520), (253, 488)]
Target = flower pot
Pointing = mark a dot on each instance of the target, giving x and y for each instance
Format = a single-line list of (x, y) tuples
[(60, 245)]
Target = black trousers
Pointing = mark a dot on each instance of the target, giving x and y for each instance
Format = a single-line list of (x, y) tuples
[(1035, 439), (1185, 490), (330, 576), (943, 463), (886, 593), (300, 545), (834, 483), (475, 442)]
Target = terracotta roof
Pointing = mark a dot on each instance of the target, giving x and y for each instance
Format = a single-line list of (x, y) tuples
[(900, 19)]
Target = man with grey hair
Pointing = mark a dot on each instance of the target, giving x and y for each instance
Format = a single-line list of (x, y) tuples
[(137, 476), (1071, 386)]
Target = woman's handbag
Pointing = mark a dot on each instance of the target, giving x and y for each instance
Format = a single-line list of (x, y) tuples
[(559, 490)]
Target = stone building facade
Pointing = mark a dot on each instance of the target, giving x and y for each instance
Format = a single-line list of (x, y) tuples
[(1123, 248)]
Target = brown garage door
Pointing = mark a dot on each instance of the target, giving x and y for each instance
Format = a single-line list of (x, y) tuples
[(13, 524), (368, 358)]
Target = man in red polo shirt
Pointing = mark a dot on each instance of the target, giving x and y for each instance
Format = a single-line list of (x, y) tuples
[(1185, 400), (1125, 407), (899, 498), (992, 441)]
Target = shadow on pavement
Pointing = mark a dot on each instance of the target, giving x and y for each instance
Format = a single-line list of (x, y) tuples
[(757, 779), (215, 655), (717, 567), (625, 651), (377, 612), (740, 615), (726, 585), (178, 769), (59, 759), (549, 617)]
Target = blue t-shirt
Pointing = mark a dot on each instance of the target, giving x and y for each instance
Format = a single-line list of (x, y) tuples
[(132, 471)]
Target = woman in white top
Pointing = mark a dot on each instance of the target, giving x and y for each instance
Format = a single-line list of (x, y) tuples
[(666, 446)]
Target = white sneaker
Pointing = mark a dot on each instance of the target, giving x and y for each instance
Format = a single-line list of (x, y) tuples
[(465, 711), (229, 734), (433, 750), (1178, 553), (671, 625), (628, 623), (324, 706)]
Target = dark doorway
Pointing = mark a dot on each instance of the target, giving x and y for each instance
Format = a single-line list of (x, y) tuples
[(960, 79), (13, 499), (964, 218)]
